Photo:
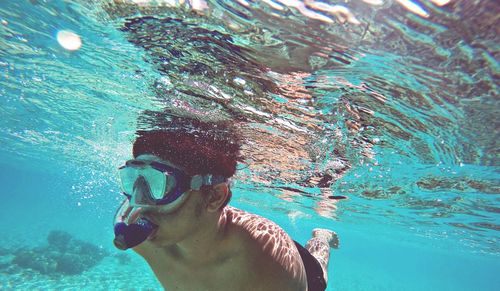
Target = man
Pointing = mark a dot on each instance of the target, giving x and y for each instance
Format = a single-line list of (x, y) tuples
[(178, 180)]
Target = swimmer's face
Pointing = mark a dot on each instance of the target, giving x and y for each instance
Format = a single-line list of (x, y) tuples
[(175, 225), (176, 220)]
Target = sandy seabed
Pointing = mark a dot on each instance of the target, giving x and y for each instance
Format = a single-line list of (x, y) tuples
[(110, 274)]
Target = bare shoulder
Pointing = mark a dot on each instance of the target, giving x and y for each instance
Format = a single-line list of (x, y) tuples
[(259, 228), (269, 248)]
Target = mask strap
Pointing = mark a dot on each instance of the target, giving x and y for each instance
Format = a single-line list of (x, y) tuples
[(200, 180)]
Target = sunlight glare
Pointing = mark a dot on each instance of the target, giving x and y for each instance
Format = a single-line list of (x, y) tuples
[(69, 40)]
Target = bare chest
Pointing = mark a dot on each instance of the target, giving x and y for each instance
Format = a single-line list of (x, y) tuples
[(227, 274)]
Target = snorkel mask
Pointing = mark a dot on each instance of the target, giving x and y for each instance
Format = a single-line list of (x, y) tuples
[(149, 183), (153, 183)]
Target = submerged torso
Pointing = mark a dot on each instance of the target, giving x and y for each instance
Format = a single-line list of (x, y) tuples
[(256, 255)]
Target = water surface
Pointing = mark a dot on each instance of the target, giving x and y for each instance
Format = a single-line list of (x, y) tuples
[(391, 104)]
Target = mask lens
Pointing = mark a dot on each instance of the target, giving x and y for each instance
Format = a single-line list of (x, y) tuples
[(128, 176), (146, 182), (157, 181)]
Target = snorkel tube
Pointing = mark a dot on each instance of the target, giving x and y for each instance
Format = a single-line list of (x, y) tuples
[(130, 235)]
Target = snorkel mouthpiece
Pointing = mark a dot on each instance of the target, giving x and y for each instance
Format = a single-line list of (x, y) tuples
[(129, 236)]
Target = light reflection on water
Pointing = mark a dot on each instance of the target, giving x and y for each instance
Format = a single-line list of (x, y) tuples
[(393, 104)]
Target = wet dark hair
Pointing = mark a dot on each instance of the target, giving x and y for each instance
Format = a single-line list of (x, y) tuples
[(195, 146)]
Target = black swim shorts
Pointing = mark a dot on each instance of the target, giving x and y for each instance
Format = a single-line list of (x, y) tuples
[(314, 272)]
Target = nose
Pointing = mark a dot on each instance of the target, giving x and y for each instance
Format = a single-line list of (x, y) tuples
[(142, 192), (140, 184)]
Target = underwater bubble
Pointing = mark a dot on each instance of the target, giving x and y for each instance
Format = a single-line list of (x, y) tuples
[(69, 40), (239, 81)]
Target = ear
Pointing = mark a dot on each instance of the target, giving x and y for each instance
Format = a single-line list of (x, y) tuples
[(217, 197)]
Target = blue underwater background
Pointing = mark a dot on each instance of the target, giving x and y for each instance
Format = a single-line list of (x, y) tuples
[(372, 256), (399, 112)]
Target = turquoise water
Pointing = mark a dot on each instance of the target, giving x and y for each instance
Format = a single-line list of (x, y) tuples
[(398, 113)]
